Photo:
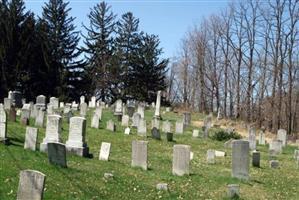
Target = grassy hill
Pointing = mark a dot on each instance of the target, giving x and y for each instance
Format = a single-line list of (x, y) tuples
[(83, 179)]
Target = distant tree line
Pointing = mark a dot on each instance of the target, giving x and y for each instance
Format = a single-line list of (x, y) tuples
[(42, 53), (243, 62)]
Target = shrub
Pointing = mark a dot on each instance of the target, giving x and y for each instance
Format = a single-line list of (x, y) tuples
[(224, 136)]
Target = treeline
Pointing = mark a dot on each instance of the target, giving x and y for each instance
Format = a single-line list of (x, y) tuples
[(243, 63), (41, 55)]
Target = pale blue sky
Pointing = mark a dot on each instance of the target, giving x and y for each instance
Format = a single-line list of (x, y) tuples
[(169, 19)]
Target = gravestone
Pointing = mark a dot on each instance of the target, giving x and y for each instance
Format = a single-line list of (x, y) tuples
[(7, 103), (130, 109), (181, 160), (50, 109), (167, 109), (256, 157), (240, 159), (252, 138), (98, 111), (211, 156), (105, 151), (162, 186), (275, 146), (136, 119), (82, 99), (53, 131), (169, 136), (39, 120), (156, 133), (274, 164), (12, 114), (140, 110), (262, 140), (67, 108), (141, 129), (83, 109), (92, 103), (31, 185), (34, 111), (16, 97), (118, 111), (282, 135), (57, 154), (205, 132), (3, 125), (25, 115), (61, 104), (76, 143), (158, 104), (41, 102), (179, 127), (187, 118), (208, 121), (139, 154), (166, 126), (125, 120), (54, 102), (111, 126), (233, 191), (127, 131), (69, 115), (156, 123), (30, 138), (195, 133), (95, 121), (74, 106), (296, 153)]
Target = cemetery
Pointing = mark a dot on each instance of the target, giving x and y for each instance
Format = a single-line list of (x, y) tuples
[(70, 158)]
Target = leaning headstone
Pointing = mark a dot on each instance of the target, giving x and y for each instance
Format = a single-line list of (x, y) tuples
[(140, 110), (53, 131), (156, 133), (158, 103), (181, 160), (31, 138), (57, 154), (54, 102), (141, 129), (274, 164), (256, 157), (136, 119), (7, 103), (31, 185), (83, 109), (105, 151), (3, 125), (125, 120), (111, 126), (179, 127), (233, 191), (282, 135), (25, 114), (195, 133), (187, 118), (156, 123), (41, 102), (39, 120), (276, 146), (139, 154), (95, 121), (76, 143), (211, 156), (262, 140), (166, 126), (240, 159), (252, 138)]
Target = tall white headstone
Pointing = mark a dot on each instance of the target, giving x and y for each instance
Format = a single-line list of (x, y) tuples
[(158, 103), (53, 131)]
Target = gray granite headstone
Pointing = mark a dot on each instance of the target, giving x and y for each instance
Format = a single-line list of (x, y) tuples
[(181, 160), (256, 157), (139, 154), (141, 129), (156, 133), (57, 154), (240, 159)]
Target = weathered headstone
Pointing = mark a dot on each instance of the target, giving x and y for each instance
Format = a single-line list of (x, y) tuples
[(240, 159), (140, 110), (3, 125), (33, 112), (158, 104), (57, 154), (92, 103), (99, 111), (211, 156), (275, 146), (208, 121), (105, 151), (61, 105), (127, 131), (233, 191), (125, 120), (82, 99), (282, 135), (25, 114), (54, 102), (181, 160), (39, 120), (262, 140), (179, 127), (136, 119), (67, 108), (95, 121), (31, 185), (53, 131), (205, 132), (31, 138), (252, 138), (187, 118), (156, 133), (76, 143), (50, 109), (166, 126), (7, 103), (139, 154), (111, 126), (74, 106), (131, 110), (141, 129), (156, 123), (16, 97), (256, 157), (195, 133), (274, 164), (12, 114), (41, 102), (83, 109)]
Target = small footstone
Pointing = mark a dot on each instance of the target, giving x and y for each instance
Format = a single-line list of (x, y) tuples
[(256, 157), (162, 186), (233, 190), (274, 164), (108, 175)]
